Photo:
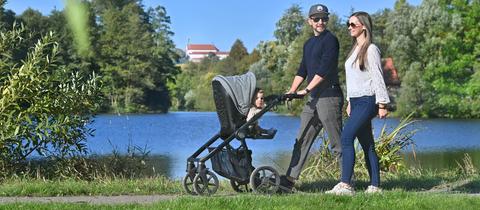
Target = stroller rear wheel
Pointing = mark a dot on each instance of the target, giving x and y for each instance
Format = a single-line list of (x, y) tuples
[(265, 179), (188, 184), (241, 188), (205, 183)]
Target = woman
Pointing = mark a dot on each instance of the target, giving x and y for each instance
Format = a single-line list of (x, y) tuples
[(367, 96)]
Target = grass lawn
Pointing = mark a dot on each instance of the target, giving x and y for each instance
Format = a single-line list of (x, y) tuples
[(387, 200), (426, 190)]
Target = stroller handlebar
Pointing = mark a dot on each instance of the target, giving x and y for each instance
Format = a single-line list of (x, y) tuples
[(291, 96), (283, 97)]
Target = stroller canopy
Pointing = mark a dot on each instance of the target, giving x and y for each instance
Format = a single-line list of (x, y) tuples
[(240, 88)]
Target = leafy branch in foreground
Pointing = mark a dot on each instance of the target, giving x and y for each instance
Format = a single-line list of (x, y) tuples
[(44, 107)]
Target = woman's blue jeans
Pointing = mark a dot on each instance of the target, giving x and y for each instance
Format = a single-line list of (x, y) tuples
[(359, 125)]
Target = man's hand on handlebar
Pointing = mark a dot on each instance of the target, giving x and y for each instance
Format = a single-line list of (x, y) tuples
[(291, 96), (302, 92)]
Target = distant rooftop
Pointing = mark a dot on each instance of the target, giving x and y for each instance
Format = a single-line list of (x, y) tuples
[(202, 47)]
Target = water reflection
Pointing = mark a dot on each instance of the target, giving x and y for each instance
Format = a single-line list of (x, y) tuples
[(160, 165), (436, 160)]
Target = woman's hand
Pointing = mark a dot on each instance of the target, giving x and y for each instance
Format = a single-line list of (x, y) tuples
[(382, 112)]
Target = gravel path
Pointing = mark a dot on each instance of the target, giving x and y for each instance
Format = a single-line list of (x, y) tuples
[(121, 199)]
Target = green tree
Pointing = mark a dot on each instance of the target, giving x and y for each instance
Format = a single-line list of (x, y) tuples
[(401, 46), (437, 51), (238, 51), (290, 25), (456, 75), (7, 17), (381, 39), (137, 56), (165, 56), (244, 65), (403, 49), (35, 23), (68, 54)]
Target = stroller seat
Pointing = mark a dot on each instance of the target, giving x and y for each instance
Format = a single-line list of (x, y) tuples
[(232, 96)]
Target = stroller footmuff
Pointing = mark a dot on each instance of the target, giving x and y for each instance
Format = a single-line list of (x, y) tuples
[(232, 96)]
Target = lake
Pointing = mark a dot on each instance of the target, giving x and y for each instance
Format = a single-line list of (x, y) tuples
[(175, 136)]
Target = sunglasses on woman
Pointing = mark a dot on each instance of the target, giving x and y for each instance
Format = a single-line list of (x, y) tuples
[(352, 25)]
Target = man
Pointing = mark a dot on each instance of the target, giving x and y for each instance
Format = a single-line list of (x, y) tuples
[(324, 106)]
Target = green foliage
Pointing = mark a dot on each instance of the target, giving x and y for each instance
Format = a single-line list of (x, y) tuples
[(45, 107), (436, 50), (137, 56), (290, 25), (7, 17), (390, 145), (238, 51), (381, 39)]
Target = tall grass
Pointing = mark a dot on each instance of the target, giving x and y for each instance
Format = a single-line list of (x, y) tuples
[(135, 163), (323, 165)]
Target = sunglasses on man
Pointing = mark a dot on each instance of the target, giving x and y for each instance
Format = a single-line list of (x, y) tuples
[(316, 19)]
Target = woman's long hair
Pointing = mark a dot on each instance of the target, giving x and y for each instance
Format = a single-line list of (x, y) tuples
[(366, 21)]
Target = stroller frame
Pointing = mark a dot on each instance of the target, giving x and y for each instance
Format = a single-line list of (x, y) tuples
[(199, 180)]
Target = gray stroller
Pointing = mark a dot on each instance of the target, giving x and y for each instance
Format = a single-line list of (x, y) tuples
[(232, 96)]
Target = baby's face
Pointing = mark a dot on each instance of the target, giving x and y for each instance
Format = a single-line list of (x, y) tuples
[(259, 100)]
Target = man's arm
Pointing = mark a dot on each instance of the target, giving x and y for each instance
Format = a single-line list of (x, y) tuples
[(295, 84), (317, 79)]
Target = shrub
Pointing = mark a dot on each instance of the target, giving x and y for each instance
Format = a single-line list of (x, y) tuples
[(45, 106)]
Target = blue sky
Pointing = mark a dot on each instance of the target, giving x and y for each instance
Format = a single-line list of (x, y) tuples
[(221, 22)]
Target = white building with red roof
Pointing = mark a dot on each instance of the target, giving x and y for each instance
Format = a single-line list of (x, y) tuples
[(196, 52)]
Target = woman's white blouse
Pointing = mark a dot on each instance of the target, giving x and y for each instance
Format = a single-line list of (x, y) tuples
[(368, 82)]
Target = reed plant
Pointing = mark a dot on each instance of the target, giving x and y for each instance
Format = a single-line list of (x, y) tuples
[(389, 144)]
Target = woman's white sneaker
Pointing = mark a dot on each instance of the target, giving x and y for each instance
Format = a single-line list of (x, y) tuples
[(341, 189), (372, 189)]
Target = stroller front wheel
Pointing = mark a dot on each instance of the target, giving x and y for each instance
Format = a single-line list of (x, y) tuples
[(265, 179), (188, 184), (205, 183)]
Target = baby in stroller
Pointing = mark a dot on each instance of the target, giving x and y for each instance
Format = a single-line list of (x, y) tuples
[(254, 130)]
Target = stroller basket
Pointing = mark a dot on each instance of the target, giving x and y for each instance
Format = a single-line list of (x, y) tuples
[(233, 163)]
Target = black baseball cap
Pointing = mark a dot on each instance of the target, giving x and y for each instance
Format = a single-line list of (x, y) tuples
[(318, 10)]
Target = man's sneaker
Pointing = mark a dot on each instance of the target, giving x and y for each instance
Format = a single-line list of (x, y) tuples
[(341, 189), (286, 185), (372, 190)]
